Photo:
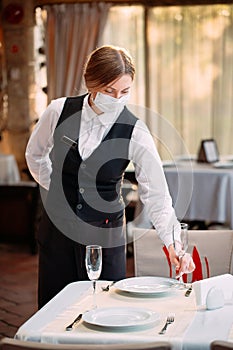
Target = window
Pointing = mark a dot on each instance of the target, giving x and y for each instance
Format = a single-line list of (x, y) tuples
[(184, 64)]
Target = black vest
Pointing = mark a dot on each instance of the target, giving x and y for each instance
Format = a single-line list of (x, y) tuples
[(91, 188)]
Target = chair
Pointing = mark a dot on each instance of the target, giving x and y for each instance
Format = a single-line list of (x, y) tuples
[(211, 250), (221, 345), (18, 208), (14, 344)]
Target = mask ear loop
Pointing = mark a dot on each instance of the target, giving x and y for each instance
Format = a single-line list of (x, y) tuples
[(93, 106), (92, 95)]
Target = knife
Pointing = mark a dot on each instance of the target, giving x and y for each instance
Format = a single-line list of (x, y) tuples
[(76, 320)]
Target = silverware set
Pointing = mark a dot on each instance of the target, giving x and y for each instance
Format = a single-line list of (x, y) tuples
[(170, 318)]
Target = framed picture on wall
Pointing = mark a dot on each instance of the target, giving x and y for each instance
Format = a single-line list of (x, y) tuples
[(208, 151)]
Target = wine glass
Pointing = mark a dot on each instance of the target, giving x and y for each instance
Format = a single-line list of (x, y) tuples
[(93, 262), (182, 249)]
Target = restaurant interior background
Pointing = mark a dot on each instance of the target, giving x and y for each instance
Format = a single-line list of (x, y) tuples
[(183, 90), (183, 56)]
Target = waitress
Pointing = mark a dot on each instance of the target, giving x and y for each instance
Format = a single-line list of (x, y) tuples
[(78, 153)]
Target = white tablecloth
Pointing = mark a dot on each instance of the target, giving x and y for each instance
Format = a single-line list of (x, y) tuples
[(9, 172), (201, 192), (192, 329)]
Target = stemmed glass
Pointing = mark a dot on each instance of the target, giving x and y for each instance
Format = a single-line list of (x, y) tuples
[(93, 262), (181, 250)]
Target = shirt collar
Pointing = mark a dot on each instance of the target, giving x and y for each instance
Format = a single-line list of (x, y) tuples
[(88, 114)]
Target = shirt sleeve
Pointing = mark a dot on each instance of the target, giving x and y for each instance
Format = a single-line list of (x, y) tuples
[(152, 185), (41, 142)]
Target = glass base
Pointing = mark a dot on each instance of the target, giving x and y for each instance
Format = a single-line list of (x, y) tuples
[(180, 284)]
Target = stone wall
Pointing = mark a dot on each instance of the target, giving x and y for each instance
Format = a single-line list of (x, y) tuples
[(18, 23)]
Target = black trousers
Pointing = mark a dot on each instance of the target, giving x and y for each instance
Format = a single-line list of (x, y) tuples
[(62, 261)]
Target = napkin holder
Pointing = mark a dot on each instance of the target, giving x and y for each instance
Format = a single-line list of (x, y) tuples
[(208, 152), (214, 298), (223, 282)]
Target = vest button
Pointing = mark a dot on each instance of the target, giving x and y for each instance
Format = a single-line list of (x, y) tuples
[(79, 206), (81, 190), (83, 166)]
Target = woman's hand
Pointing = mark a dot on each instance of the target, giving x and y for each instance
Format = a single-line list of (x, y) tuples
[(174, 259), (184, 264)]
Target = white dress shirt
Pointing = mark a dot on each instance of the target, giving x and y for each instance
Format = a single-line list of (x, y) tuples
[(152, 186)]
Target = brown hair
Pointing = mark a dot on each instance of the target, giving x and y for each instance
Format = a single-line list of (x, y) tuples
[(106, 64)]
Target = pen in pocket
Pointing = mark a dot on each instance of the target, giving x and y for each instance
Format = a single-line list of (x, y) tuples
[(69, 141)]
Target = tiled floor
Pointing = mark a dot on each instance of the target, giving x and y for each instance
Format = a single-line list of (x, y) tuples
[(18, 286)]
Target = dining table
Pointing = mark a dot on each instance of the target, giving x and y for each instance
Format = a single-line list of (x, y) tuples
[(199, 191), (202, 191), (132, 310), (9, 171)]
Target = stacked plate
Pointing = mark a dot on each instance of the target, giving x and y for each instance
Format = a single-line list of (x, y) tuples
[(223, 164)]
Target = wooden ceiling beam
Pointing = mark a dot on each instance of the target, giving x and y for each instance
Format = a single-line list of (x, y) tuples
[(138, 2)]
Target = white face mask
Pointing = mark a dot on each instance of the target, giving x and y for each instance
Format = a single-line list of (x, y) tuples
[(108, 104)]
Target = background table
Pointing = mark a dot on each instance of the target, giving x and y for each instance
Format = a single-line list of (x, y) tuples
[(192, 329), (9, 172), (201, 192)]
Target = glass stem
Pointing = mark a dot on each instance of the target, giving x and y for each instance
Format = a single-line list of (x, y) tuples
[(94, 295)]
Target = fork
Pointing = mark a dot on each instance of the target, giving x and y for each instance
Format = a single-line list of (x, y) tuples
[(170, 319)]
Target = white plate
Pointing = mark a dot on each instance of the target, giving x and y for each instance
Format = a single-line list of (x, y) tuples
[(228, 158), (145, 285), (223, 164), (168, 163), (186, 157), (118, 317)]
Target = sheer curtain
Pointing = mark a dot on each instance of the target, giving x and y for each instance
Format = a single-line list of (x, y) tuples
[(192, 72), (125, 28), (72, 32), (184, 62)]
